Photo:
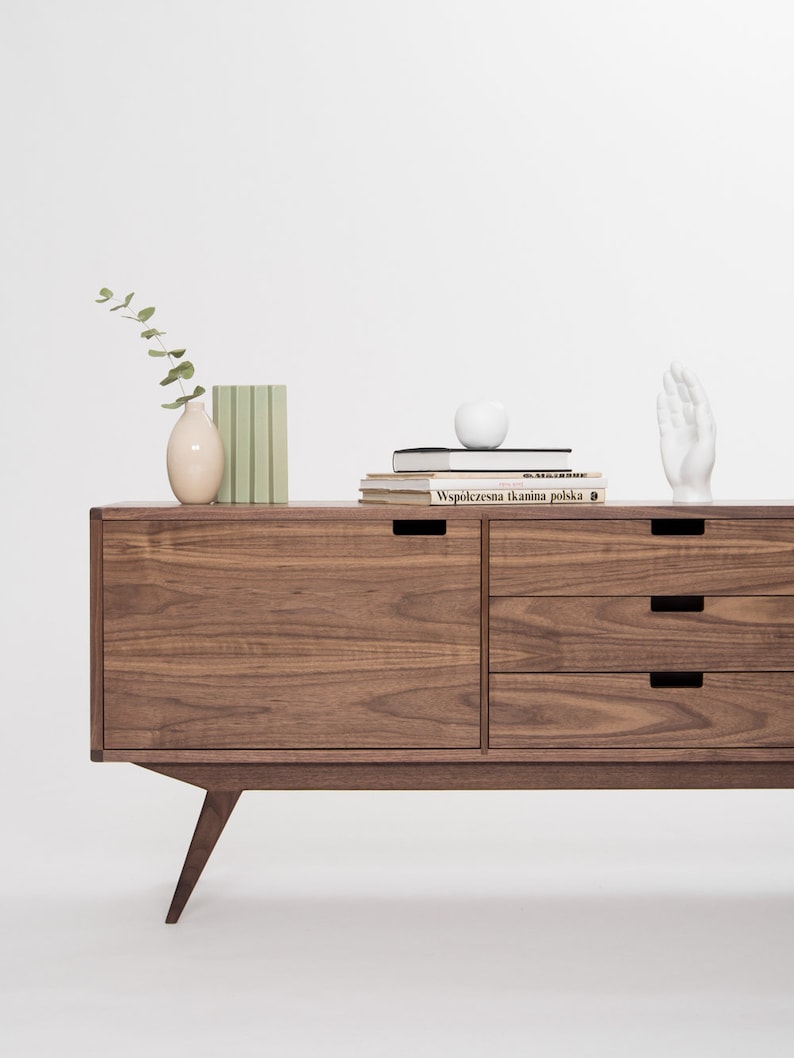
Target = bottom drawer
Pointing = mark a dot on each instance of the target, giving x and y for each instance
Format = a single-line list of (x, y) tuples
[(534, 710)]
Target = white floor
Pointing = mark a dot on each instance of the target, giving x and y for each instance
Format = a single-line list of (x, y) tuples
[(466, 924)]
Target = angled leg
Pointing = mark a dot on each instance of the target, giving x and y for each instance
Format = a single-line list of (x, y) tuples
[(218, 806)]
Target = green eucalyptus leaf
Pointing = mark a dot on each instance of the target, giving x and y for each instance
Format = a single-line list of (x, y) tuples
[(184, 370), (199, 391)]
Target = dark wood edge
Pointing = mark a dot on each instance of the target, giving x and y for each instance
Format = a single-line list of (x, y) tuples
[(424, 757), (484, 776), (366, 512), (485, 666), (96, 635)]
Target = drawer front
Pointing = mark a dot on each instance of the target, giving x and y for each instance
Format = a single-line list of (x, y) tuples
[(623, 710), (560, 634), (642, 557)]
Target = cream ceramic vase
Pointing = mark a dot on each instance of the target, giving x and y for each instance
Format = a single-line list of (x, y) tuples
[(195, 456)]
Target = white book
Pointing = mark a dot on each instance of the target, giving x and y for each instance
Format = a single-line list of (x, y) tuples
[(478, 497)]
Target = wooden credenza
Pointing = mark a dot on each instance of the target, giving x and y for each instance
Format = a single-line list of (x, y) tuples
[(337, 646)]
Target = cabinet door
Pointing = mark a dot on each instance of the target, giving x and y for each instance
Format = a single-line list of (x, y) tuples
[(290, 634)]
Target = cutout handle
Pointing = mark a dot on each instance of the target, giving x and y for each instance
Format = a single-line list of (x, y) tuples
[(678, 526), (419, 527), (676, 679), (677, 603)]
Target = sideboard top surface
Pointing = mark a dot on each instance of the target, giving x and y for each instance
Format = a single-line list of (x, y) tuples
[(172, 511)]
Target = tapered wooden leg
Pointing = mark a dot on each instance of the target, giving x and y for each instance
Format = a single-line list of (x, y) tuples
[(218, 806)]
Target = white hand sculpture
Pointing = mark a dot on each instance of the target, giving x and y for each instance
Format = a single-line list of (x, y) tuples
[(687, 435)]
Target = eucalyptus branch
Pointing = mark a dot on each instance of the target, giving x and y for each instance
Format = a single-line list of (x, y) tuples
[(178, 371)]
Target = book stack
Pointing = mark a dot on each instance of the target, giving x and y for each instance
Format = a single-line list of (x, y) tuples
[(455, 477)]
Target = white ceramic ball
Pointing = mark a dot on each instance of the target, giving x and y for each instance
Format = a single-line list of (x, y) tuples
[(481, 424)]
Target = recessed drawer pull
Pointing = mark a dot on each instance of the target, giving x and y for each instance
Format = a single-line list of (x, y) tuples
[(677, 603), (676, 679), (419, 527), (678, 526)]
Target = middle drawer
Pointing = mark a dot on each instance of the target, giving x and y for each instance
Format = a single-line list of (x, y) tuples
[(624, 634)]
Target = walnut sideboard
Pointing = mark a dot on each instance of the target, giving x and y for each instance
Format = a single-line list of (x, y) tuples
[(341, 646)]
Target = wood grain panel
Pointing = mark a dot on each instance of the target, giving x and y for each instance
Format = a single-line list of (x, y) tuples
[(623, 557), (622, 710), (443, 756), (488, 774), (96, 640), (561, 634), (285, 634), (344, 510)]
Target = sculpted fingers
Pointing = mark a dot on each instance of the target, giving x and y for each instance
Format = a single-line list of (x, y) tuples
[(663, 414), (670, 383), (704, 421), (694, 389)]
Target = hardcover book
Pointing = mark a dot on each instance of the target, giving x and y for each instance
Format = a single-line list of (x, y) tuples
[(487, 481), (477, 497), (422, 460)]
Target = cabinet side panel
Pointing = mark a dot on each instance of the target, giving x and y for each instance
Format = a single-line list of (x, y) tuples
[(96, 637)]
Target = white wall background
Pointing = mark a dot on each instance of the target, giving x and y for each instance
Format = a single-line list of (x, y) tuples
[(391, 207)]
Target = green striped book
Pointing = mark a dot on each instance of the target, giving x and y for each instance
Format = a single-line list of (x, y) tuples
[(252, 421)]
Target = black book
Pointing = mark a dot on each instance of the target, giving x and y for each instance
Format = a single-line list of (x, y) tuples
[(421, 460)]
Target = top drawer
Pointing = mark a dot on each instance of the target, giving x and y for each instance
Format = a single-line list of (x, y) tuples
[(640, 557)]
